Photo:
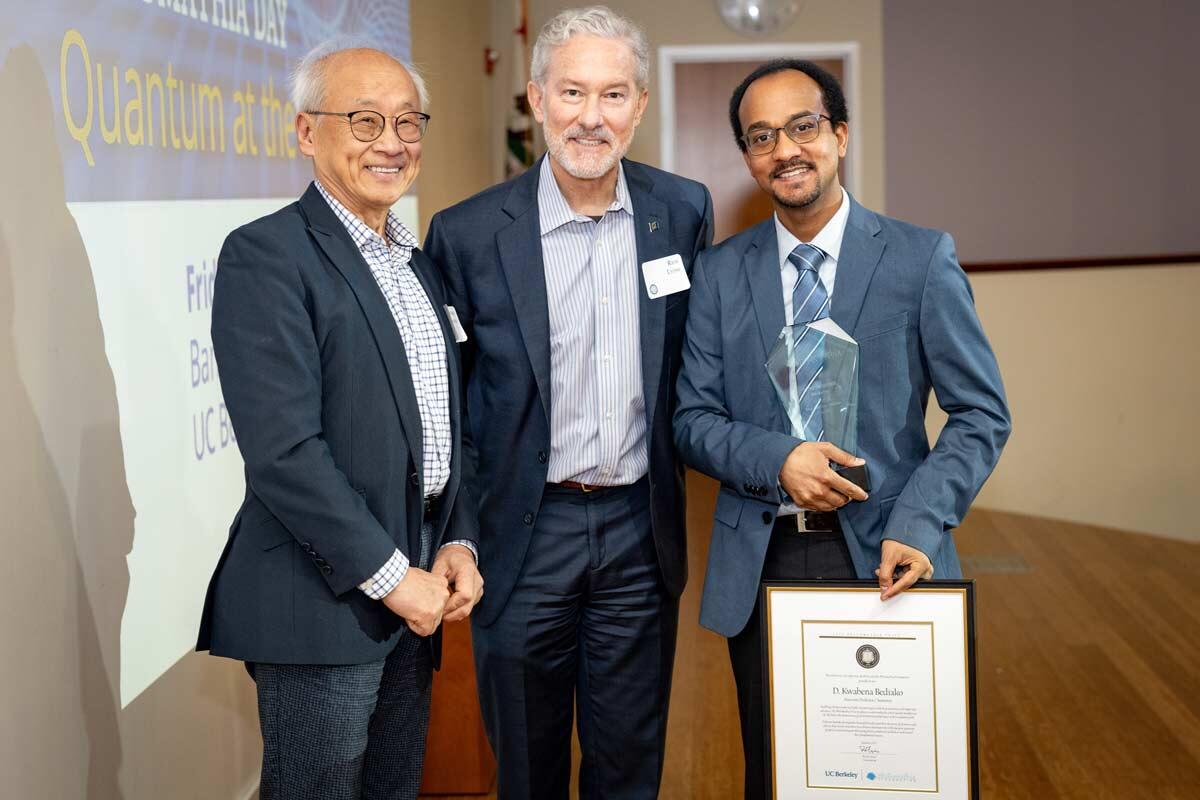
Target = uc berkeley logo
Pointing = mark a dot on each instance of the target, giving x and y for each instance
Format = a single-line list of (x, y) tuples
[(867, 656)]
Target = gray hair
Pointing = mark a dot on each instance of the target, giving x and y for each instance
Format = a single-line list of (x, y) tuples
[(599, 21), (308, 78)]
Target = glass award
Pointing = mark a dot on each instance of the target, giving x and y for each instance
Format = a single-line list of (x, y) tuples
[(825, 409)]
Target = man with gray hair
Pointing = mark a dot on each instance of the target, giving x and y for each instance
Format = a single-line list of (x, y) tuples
[(340, 370), (571, 284)]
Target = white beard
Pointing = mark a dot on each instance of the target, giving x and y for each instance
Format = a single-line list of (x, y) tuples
[(588, 166)]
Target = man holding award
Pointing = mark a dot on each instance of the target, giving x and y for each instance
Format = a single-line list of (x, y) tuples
[(813, 341)]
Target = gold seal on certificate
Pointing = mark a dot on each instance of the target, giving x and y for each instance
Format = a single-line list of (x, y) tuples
[(864, 696)]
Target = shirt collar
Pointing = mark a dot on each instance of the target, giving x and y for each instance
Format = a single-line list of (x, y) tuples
[(828, 239), (362, 234), (553, 209)]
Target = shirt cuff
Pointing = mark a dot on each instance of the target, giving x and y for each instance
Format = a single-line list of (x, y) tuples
[(379, 585), (467, 543)]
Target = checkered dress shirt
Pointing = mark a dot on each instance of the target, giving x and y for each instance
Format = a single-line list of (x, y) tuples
[(390, 262)]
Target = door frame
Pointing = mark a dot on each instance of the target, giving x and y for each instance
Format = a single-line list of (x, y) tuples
[(670, 55)]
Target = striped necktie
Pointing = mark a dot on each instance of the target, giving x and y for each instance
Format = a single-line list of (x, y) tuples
[(810, 302)]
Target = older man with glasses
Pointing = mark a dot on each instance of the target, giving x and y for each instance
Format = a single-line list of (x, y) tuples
[(339, 366)]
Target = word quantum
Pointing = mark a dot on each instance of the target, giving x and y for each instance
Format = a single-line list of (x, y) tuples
[(103, 103)]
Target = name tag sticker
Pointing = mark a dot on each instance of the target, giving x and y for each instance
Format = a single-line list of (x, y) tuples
[(460, 335), (665, 276)]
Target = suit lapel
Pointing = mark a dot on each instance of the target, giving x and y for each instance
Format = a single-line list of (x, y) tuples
[(861, 251), (766, 285), (335, 241), (761, 262), (652, 230), (520, 249)]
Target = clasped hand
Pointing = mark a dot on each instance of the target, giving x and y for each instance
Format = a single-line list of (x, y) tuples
[(446, 593), (457, 565)]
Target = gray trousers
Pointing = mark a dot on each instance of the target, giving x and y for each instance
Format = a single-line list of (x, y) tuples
[(347, 732), (354, 732)]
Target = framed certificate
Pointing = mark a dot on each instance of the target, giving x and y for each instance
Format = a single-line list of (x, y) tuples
[(865, 698)]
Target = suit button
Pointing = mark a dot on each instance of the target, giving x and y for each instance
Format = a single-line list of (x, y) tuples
[(767, 517), (528, 519), (542, 457), (328, 570), (306, 547), (414, 479)]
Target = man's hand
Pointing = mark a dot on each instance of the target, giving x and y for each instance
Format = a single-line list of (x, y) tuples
[(420, 598), (456, 564), (916, 565), (810, 481)]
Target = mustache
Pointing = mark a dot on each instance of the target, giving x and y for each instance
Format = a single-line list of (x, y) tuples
[(578, 131), (792, 164)]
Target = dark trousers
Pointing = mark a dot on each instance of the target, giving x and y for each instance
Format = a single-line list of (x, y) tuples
[(588, 629), (794, 556), (354, 732)]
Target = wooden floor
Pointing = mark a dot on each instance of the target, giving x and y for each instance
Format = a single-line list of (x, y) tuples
[(1088, 665)]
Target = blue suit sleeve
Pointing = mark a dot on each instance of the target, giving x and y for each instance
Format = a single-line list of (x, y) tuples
[(270, 367), (966, 382), (735, 453)]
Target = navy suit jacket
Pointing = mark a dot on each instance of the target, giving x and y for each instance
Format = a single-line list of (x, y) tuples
[(902, 296), (319, 390), (490, 250)]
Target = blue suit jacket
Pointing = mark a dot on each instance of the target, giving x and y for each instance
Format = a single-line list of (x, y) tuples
[(902, 295), (490, 249), (319, 390)]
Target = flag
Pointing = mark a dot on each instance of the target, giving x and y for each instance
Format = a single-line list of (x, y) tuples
[(519, 156)]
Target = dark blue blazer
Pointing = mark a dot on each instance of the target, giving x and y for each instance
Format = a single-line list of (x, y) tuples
[(902, 295), (319, 390), (489, 248)]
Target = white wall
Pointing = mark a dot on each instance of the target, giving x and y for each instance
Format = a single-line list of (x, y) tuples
[(1103, 379)]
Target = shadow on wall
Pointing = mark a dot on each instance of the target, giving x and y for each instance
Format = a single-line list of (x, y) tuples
[(68, 516), (69, 524)]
